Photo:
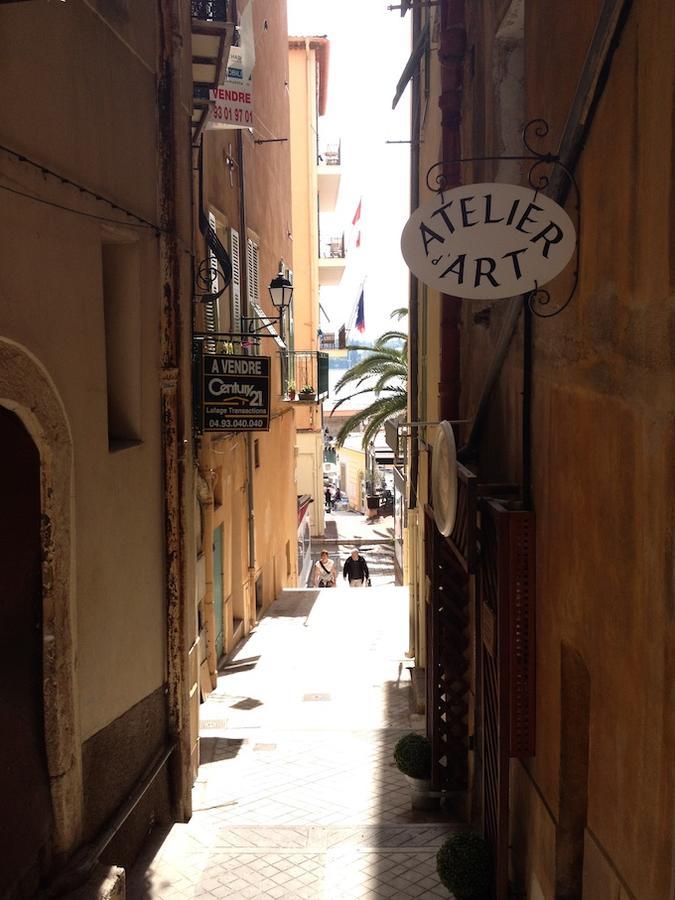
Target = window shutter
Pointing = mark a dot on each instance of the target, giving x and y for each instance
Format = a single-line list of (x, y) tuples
[(252, 271), (236, 281), (211, 308)]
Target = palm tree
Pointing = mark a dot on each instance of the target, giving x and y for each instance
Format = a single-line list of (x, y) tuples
[(388, 365)]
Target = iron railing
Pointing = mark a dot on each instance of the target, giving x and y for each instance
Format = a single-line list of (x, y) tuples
[(303, 369), (330, 154), (333, 247), (210, 10)]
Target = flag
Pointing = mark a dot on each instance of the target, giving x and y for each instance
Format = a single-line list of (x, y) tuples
[(360, 323), (357, 214)]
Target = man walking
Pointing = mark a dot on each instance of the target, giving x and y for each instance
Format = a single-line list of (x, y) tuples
[(356, 570)]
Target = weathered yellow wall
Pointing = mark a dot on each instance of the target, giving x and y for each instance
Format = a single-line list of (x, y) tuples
[(102, 133), (302, 87), (355, 461), (266, 174), (602, 450)]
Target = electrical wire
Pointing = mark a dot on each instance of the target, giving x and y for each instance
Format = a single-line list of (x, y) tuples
[(45, 170), (78, 212)]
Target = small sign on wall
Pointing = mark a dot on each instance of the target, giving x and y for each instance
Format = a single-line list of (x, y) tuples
[(488, 241), (235, 393)]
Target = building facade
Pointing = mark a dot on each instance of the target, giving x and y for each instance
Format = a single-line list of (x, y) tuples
[(97, 526), (315, 182), (544, 620), (246, 495)]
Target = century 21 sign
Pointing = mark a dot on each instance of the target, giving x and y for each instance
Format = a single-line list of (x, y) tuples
[(487, 241), (235, 393)]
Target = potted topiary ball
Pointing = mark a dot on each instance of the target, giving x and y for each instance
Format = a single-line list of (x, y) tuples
[(464, 866), (412, 755)]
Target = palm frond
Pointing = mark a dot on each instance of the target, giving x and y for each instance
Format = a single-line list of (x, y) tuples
[(391, 336), (379, 410), (399, 313), (356, 394)]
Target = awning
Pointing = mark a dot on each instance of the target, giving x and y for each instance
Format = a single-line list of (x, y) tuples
[(412, 64)]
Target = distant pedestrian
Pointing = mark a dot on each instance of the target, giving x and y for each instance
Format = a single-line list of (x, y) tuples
[(329, 500), (355, 570), (338, 495), (325, 572)]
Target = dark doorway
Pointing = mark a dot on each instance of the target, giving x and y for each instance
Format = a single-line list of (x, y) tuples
[(24, 782)]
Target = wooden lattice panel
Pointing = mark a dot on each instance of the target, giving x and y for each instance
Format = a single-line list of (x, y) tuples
[(447, 664)]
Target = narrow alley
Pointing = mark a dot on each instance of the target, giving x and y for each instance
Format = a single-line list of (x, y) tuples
[(297, 794)]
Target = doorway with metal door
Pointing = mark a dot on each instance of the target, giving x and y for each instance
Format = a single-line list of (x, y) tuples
[(25, 848)]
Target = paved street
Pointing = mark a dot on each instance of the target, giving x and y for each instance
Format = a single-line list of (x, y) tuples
[(346, 529), (297, 794)]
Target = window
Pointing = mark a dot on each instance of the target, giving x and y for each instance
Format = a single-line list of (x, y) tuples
[(121, 286)]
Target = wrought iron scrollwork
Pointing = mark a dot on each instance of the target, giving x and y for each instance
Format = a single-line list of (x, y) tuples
[(208, 277), (539, 179)]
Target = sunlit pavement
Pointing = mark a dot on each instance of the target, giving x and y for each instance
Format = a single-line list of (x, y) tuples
[(297, 795)]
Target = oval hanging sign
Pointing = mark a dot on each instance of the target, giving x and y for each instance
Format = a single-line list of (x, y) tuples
[(488, 241)]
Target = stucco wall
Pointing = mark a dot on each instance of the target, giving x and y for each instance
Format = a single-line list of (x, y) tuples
[(52, 303), (602, 446)]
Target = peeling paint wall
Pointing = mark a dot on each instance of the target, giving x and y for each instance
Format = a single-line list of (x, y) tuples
[(93, 118)]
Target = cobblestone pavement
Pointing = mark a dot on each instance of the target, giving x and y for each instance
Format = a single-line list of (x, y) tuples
[(297, 795)]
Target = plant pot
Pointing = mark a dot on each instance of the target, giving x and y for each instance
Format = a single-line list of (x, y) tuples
[(291, 394), (307, 397), (421, 795)]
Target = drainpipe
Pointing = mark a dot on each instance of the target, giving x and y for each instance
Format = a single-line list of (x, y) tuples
[(169, 126), (451, 55), (413, 306), (250, 463)]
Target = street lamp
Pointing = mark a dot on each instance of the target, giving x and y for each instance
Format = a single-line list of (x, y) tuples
[(281, 292)]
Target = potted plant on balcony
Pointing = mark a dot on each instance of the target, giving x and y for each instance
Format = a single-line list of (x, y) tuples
[(290, 389), (412, 755), (308, 393), (464, 866)]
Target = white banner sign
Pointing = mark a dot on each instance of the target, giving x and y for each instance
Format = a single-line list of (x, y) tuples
[(488, 241), (231, 106), (232, 101)]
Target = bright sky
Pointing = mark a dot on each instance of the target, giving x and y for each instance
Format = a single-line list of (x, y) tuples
[(369, 47)]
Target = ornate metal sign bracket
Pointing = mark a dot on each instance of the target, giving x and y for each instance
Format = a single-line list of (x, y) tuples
[(539, 180)]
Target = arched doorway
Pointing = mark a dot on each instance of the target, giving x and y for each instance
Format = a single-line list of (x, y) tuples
[(25, 848)]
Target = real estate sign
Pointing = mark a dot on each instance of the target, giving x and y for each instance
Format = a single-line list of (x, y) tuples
[(235, 393), (232, 101)]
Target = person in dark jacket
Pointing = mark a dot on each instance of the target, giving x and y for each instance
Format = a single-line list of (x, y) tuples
[(356, 570)]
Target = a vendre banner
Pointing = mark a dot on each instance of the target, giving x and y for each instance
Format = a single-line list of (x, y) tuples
[(232, 101)]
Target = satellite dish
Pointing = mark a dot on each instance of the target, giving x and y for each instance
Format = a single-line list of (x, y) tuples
[(444, 479)]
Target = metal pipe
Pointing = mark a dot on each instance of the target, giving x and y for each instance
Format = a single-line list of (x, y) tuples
[(413, 306), (470, 447), (451, 53), (83, 863)]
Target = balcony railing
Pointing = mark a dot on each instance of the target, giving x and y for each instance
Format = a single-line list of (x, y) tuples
[(210, 10), (330, 155), (303, 369), (333, 247)]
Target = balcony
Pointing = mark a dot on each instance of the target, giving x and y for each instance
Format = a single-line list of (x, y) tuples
[(303, 368), (212, 31), (332, 260), (329, 173)]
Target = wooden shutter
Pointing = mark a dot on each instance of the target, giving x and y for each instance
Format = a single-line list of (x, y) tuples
[(211, 323), (253, 282), (253, 272), (236, 281)]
